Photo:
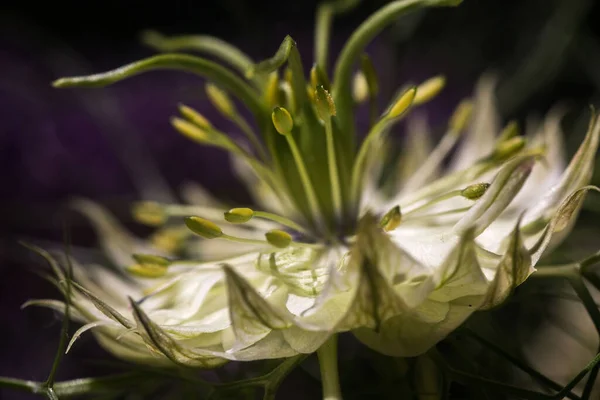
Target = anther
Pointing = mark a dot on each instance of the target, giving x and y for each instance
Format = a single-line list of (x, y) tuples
[(278, 238), (429, 89), (149, 213), (475, 191), (203, 227), (391, 220)]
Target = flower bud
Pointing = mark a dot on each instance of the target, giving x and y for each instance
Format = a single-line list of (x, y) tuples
[(239, 215), (278, 238), (282, 120), (203, 227), (194, 116)]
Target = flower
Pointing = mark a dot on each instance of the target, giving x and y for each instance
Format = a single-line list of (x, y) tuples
[(343, 237)]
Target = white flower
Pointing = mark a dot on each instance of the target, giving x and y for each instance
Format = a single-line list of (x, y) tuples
[(345, 239)]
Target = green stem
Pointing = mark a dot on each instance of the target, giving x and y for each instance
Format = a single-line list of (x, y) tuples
[(322, 31), (342, 85), (555, 271), (327, 354), (280, 220), (336, 193), (21, 385), (199, 66), (311, 196), (201, 43)]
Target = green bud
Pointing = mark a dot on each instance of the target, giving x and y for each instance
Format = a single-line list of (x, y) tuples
[(220, 100), (203, 227), (149, 213), (391, 220), (282, 120), (429, 89), (475, 191), (239, 215), (278, 238), (324, 103)]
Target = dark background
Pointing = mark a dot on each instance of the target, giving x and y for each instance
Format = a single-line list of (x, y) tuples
[(115, 145)]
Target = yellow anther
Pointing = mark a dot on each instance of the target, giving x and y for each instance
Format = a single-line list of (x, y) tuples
[(475, 191), (429, 89), (461, 116), (190, 130), (508, 148), (220, 100), (272, 91), (149, 213), (203, 227), (391, 220), (147, 270), (151, 259), (360, 87), (510, 131), (194, 116), (278, 238), (239, 215), (282, 120), (169, 239), (402, 103)]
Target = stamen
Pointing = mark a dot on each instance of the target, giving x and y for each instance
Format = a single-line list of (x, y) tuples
[(211, 136), (149, 266), (209, 230), (429, 89), (278, 238), (423, 217), (397, 110), (510, 131), (372, 82), (475, 191), (272, 90), (282, 120), (223, 103), (149, 213), (457, 123), (169, 239), (203, 227), (326, 109), (471, 192), (391, 220), (195, 117), (360, 89), (242, 215), (508, 148)]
